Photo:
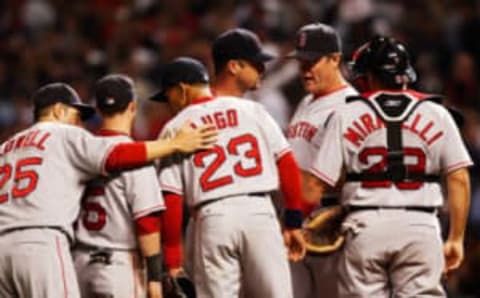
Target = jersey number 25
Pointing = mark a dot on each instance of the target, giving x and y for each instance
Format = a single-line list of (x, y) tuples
[(25, 181)]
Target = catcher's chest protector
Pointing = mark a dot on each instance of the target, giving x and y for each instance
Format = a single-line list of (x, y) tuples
[(393, 109)]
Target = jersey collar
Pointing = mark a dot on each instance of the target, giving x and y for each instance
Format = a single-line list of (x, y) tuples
[(201, 100), (323, 94), (109, 132)]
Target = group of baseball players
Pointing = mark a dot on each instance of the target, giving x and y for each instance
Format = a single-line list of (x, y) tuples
[(100, 215)]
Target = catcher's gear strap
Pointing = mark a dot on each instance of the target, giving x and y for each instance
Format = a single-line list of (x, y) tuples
[(154, 267), (394, 108)]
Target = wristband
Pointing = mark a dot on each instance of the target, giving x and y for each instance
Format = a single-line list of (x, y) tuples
[(293, 219), (154, 267)]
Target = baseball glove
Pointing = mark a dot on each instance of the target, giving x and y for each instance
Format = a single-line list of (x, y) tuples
[(323, 232), (178, 287)]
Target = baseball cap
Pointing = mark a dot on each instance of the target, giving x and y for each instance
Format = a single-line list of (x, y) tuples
[(314, 41), (239, 44), (53, 93), (181, 70), (114, 92)]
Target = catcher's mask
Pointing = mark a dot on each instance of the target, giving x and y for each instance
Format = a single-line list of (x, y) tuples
[(387, 59)]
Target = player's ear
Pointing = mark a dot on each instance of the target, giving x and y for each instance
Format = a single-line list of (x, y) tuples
[(336, 58), (132, 106), (58, 110), (234, 66)]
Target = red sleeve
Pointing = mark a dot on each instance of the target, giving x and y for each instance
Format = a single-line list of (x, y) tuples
[(126, 156), (290, 181), (172, 230), (148, 224)]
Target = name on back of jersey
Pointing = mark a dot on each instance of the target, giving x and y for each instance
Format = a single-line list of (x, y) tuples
[(33, 139), (366, 124), (220, 119)]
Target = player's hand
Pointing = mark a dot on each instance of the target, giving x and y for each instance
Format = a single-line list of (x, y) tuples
[(295, 243), (189, 139), (453, 252), (176, 272), (154, 289)]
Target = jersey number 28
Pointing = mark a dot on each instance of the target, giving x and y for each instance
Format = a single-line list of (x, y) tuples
[(380, 166), (220, 155)]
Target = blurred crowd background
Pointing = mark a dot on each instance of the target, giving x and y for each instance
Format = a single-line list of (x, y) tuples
[(79, 41)]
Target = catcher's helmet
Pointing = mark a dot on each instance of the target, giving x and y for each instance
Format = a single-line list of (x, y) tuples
[(387, 59)]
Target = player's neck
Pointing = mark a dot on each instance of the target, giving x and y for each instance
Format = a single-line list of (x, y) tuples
[(118, 124), (223, 86), (336, 83)]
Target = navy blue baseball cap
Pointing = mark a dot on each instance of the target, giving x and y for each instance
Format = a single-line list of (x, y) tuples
[(181, 70), (314, 41), (53, 93), (114, 92), (239, 44)]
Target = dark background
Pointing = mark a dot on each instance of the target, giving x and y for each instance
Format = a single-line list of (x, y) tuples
[(79, 41)]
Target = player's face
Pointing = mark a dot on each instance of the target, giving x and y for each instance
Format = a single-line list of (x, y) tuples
[(250, 74), (176, 98), (317, 75)]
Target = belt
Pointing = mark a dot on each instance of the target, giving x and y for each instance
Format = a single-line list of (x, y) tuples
[(84, 246), (59, 229), (200, 205), (426, 209)]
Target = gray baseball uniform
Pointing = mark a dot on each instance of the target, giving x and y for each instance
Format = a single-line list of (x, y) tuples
[(42, 173), (237, 237), (373, 263), (315, 276), (106, 258)]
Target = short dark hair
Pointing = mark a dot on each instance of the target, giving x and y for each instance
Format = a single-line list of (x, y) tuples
[(113, 93)]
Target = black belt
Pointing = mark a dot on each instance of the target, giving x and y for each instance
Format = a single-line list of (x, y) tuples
[(426, 209), (208, 202)]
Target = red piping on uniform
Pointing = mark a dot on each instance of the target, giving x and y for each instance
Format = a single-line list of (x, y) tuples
[(290, 181), (147, 211), (416, 94), (62, 265), (322, 94), (134, 272), (171, 227)]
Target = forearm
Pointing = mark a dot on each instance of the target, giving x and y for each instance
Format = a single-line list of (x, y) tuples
[(160, 148), (458, 187), (313, 188), (150, 244)]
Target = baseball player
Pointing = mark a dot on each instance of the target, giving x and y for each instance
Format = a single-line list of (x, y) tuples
[(238, 241), (394, 145), (43, 170), (318, 51), (239, 62), (118, 207)]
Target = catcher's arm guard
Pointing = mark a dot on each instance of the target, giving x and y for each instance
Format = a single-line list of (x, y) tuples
[(323, 232)]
